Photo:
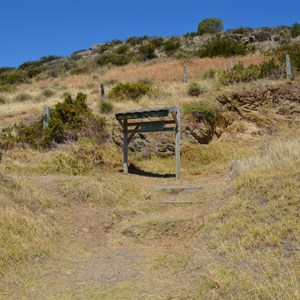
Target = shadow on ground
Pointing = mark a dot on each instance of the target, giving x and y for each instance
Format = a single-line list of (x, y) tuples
[(132, 169)]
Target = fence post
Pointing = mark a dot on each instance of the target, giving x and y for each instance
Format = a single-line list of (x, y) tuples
[(46, 116), (184, 74), (103, 98), (231, 65), (288, 68)]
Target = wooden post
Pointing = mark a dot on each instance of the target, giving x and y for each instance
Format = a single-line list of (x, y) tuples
[(184, 74), (177, 147), (103, 98), (125, 147), (288, 67), (231, 65), (46, 116)]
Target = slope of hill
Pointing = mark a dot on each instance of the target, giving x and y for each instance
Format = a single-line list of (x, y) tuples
[(73, 226)]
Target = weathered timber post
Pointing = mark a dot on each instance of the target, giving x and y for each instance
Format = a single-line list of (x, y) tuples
[(231, 65), (103, 98), (46, 116), (125, 147), (184, 74), (288, 67), (177, 147)]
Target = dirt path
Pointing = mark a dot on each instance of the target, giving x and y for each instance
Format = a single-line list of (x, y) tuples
[(139, 256)]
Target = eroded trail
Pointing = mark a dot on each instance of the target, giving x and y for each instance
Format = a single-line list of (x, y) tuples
[(114, 252)]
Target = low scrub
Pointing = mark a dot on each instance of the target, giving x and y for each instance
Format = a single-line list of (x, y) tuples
[(22, 97), (69, 120), (195, 89), (209, 73), (223, 47), (239, 73), (106, 107), (171, 45), (114, 59), (131, 91), (294, 53), (197, 107)]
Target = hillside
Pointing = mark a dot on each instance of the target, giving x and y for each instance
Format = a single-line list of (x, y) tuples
[(73, 226)]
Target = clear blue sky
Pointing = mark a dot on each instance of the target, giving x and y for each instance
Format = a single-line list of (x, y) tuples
[(31, 29)]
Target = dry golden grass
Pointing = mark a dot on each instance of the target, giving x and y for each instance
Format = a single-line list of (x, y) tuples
[(235, 239), (171, 70)]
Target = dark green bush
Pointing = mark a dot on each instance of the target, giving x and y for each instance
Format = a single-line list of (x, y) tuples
[(69, 120), (263, 35), (171, 45), (295, 30), (158, 41), (114, 59), (209, 113), (294, 53), (47, 93), (49, 58), (134, 41), (123, 49), (132, 91), (195, 89), (147, 51), (241, 30), (13, 77), (104, 48), (6, 69), (210, 25), (223, 47), (23, 97), (7, 88)]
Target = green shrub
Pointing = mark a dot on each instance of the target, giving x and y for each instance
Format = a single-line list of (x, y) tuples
[(195, 89), (171, 45), (49, 58), (23, 97), (147, 51), (69, 120), (7, 88), (114, 59), (264, 34), (47, 93), (13, 76), (104, 48), (181, 54), (195, 107), (295, 30), (123, 49), (209, 73), (294, 53), (240, 73), (132, 91), (6, 69), (210, 25), (158, 41), (134, 41), (241, 30), (106, 107), (223, 47)]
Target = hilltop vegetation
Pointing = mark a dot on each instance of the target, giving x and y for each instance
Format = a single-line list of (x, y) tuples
[(73, 226)]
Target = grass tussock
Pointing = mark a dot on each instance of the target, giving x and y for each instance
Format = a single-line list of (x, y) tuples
[(253, 242), (270, 155)]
